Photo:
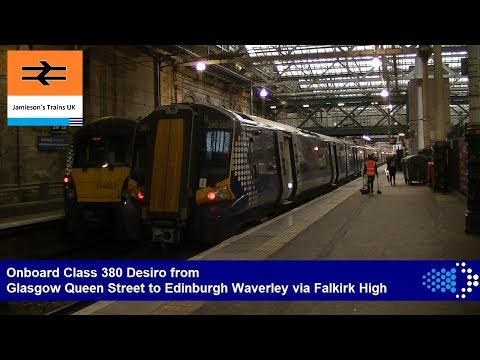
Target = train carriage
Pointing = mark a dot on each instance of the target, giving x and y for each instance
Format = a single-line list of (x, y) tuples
[(98, 165), (200, 171)]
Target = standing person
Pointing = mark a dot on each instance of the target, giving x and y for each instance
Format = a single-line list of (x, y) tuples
[(370, 169), (392, 169)]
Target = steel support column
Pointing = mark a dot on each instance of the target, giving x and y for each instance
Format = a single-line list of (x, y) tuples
[(424, 54), (472, 137), (440, 145)]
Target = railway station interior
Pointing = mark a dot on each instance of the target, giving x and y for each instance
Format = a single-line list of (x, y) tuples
[(415, 104)]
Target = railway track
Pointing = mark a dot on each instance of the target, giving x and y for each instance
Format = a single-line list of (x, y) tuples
[(10, 231), (51, 242), (98, 248), (69, 309)]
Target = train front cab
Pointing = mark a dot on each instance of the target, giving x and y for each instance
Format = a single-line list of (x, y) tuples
[(97, 171), (180, 187)]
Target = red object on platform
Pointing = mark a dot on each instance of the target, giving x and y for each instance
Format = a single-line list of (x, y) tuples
[(430, 172)]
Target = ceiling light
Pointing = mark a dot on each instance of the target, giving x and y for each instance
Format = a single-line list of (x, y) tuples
[(273, 107), (341, 104), (306, 105), (376, 62), (200, 66), (263, 93), (384, 93)]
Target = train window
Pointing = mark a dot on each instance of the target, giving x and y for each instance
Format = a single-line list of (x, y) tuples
[(101, 151), (118, 149), (216, 149)]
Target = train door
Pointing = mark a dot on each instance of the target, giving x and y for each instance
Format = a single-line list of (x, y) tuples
[(355, 157), (297, 185), (284, 144), (168, 183), (333, 157)]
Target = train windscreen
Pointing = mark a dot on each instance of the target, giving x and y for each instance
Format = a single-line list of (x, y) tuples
[(102, 151), (216, 150)]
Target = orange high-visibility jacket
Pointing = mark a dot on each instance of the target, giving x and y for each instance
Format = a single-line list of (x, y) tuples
[(370, 164)]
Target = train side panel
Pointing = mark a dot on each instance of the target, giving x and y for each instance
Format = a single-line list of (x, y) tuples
[(255, 171), (314, 162)]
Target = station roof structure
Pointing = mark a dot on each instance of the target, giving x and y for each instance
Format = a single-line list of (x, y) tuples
[(343, 78)]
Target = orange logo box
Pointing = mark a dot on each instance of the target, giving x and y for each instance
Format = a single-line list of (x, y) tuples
[(45, 72)]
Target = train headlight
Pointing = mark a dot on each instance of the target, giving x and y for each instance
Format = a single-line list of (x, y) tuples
[(137, 195), (219, 194)]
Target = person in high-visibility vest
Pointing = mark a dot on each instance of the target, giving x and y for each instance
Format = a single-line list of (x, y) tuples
[(370, 169)]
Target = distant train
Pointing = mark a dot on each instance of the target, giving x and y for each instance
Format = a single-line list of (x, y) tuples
[(97, 169), (200, 171)]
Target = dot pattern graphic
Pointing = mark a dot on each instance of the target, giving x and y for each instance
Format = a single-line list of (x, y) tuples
[(69, 163), (241, 167), (469, 283), (458, 281), (442, 280)]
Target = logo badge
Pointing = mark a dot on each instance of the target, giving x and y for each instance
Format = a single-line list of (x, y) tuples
[(457, 281), (45, 88)]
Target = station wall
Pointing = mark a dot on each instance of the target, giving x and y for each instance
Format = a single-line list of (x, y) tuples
[(118, 80)]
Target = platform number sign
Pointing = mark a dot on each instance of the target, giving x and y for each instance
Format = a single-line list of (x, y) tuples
[(202, 183)]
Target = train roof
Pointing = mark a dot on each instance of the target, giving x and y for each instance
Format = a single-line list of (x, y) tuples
[(114, 124), (111, 121), (254, 120)]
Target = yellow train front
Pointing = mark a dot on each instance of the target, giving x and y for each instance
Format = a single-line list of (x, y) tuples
[(200, 171), (97, 170)]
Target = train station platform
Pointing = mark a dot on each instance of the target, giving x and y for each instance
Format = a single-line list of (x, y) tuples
[(29, 213), (403, 222)]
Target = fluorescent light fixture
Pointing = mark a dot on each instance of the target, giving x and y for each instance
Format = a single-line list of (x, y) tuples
[(376, 62), (401, 134), (365, 137), (273, 107), (306, 105), (341, 104)]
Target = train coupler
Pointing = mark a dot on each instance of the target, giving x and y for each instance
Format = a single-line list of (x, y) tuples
[(165, 235)]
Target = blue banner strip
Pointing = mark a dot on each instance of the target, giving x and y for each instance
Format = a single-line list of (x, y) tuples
[(37, 121), (270, 280)]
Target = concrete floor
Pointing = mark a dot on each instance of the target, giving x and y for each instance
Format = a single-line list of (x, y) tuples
[(404, 222)]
